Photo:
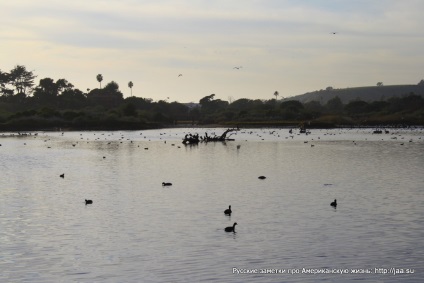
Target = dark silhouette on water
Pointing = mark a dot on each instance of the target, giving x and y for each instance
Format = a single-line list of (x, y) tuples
[(191, 139), (164, 184), (262, 177), (228, 211), (88, 201), (231, 228), (62, 175), (195, 139), (334, 203)]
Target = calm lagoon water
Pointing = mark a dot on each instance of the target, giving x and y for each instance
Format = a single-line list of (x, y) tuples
[(138, 231)]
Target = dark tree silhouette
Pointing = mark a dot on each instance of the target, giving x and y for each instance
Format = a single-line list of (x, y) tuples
[(63, 85), (130, 85), (22, 80), (4, 81), (46, 90), (53, 104), (100, 79)]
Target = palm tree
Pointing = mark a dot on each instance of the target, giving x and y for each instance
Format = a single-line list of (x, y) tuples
[(130, 85), (276, 94), (100, 79)]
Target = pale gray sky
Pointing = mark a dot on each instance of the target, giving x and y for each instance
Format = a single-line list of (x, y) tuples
[(282, 45)]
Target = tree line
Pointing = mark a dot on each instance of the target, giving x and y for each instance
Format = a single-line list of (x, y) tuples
[(53, 104)]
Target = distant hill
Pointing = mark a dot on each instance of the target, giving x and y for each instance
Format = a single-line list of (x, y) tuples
[(367, 93)]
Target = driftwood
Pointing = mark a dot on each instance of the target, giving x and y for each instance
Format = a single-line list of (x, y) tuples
[(195, 139), (191, 139)]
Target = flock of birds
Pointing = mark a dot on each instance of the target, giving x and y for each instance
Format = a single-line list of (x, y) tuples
[(227, 211)]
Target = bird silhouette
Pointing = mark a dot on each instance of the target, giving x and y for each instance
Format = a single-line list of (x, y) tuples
[(334, 203), (88, 201), (231, 228), (228, 211)]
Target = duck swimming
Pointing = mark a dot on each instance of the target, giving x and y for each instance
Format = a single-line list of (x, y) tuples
[(228, 211), (166, 184), (88, 201), (231, 228), (334, 203)]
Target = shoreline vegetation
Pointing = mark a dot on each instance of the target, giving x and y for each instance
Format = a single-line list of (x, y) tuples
[(58, 106)]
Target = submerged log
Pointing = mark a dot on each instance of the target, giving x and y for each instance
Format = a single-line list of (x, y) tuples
[(216, 138), (195, 139), (191, 139)]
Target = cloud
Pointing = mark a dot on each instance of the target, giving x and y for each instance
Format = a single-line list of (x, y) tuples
[(282, 44)]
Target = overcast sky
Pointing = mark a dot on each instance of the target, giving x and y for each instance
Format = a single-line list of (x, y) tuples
[(279, 45)]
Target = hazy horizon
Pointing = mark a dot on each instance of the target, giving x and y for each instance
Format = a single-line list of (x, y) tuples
[(292, 47)]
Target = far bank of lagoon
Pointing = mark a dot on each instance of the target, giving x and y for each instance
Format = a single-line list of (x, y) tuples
[(52, 126)]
